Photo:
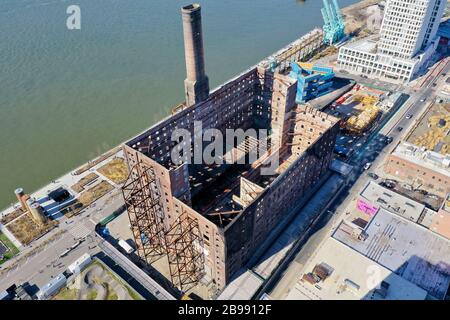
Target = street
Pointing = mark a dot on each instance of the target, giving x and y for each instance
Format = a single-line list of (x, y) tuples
[(43, 260)]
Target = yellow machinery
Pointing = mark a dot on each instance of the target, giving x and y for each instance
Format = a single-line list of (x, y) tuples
[(357, 124), (439, 128)]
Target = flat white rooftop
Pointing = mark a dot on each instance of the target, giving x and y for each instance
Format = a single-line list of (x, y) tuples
[(370, 45), (365, 45), (243, 287), (353, 277), (406, 248), (392, 201)]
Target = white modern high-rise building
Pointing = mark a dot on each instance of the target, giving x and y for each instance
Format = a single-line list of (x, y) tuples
[(406, 41)]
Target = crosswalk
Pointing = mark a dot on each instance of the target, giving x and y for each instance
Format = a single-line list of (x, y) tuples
[(80, 231)]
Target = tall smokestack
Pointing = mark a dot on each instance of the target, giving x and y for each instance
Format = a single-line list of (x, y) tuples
[(20, 196), (196, 85)]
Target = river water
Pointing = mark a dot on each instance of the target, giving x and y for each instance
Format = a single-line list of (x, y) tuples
[(68, 95)]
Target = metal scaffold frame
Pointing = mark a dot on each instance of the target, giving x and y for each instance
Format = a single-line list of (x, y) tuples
[(145, 213), (182, 242), (185, 252)]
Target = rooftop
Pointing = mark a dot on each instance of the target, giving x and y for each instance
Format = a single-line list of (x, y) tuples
[(441, 221), (349, 278), (305, 70), (441, 224), (423, 157), (431, 131), (366, 45), (404, 247), (243, 287), (392, 201), (370, 45)]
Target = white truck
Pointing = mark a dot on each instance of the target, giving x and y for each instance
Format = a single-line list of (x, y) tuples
[(125, 246)]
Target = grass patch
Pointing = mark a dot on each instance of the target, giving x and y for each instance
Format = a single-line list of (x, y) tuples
[(11, 216), (66, 294), (112, 295), (92, 295), (12, 249), (86, 198), (79, 186), (25, 229), (116, 170), (93, 194), (133, 294)]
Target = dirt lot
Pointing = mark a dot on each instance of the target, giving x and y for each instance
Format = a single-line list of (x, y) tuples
[(355, 19)]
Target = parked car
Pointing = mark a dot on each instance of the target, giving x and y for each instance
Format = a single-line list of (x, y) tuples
[(388, 183), (373, 175), (367, 165), (409, 116)]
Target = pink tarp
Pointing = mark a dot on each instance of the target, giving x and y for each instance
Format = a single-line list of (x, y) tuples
[(366, 207)]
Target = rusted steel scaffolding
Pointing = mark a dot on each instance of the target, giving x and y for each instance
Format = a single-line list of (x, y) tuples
[(144, 211), (185, 252), (181, 242)]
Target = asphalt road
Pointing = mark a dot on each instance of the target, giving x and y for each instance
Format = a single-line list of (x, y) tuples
[(44, 263)]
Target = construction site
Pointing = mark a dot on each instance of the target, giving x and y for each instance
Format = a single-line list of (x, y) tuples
[(358, 110), (207, 220), (366, 113), (432, 130)]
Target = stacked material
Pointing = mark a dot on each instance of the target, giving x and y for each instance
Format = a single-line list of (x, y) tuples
[(436, 137), (357, 124)]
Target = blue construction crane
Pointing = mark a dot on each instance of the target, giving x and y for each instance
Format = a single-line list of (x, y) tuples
[(334, 22)]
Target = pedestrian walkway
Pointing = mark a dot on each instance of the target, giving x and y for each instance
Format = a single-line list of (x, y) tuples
[(80, 231)]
